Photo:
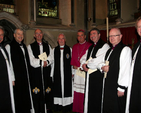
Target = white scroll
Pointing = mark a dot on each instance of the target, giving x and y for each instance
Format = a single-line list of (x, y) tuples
[(43, 56)]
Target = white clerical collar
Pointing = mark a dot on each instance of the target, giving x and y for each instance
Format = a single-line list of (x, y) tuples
[(39, 43), (83, 42), (62, 46), (95, 43)]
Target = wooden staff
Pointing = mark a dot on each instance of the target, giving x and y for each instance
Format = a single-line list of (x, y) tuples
[(107, 27)]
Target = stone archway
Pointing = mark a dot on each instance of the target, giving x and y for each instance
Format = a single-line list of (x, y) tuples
[(50, 39), (9, 22), (11, 18)]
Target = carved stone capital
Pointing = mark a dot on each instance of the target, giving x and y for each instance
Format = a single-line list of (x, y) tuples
[(25, 27)]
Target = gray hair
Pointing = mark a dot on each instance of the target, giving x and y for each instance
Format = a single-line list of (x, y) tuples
[(15, 31)]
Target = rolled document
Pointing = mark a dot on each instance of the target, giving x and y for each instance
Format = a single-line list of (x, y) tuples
[(105, 73)]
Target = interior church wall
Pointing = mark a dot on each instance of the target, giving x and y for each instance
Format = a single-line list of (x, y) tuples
[(50, 35), (128, 9), (101, 11), (23, 10), (65, 11)]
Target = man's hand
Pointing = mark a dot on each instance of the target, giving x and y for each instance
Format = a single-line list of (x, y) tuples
[(13, 82), (120, 94), (105, 68), (84, 67), (45, 64)]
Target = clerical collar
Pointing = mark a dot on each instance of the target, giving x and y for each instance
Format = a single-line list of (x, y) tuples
[(83, 42), (20, 44), (94, 44), (39, 43), (61, 47), (114, 47)]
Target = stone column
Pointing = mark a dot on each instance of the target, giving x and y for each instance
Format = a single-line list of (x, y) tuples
[(72, 13), (33, 12), (94, 11)]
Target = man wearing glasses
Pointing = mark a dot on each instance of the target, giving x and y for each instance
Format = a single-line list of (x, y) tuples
[(118, 71)]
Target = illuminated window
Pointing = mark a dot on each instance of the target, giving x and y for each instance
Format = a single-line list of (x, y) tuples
[(114, 9), (7, 6), (48, 8)]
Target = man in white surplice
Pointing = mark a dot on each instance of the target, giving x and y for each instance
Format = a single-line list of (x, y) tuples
[(6, 78), (20, 62), (62, 76), (118, 73), (41, 82), (94, 80), (133, 101)]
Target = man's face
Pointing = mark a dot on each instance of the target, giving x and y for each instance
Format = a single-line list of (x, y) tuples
[(61, 40), (19, 36), (1, 35), (139, 27), (81, 37), (94, 36), (114, 36), (38, 35)]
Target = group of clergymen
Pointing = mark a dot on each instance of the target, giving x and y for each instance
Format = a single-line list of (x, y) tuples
[(92, 77)]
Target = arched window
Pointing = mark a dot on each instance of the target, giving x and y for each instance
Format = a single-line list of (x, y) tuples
[(114, 7), (7, 6), (48, 8)]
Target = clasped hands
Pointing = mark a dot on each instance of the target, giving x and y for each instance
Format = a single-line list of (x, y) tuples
[(45, 64)]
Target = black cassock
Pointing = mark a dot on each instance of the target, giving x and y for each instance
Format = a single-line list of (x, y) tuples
[(95, 83), (57, 86), (113, 103), (21, 88), (41, 82), (135, 98), (5, 97)]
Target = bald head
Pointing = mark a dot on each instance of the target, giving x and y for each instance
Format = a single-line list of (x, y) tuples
[(115, 36), (38, 34), (61, 39)]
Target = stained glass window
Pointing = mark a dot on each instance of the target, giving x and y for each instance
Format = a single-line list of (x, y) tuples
[(7, 6), (48, 8), (114, 7)]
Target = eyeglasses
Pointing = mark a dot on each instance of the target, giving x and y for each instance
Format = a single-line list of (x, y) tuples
[(114, 35), (38, 33)]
